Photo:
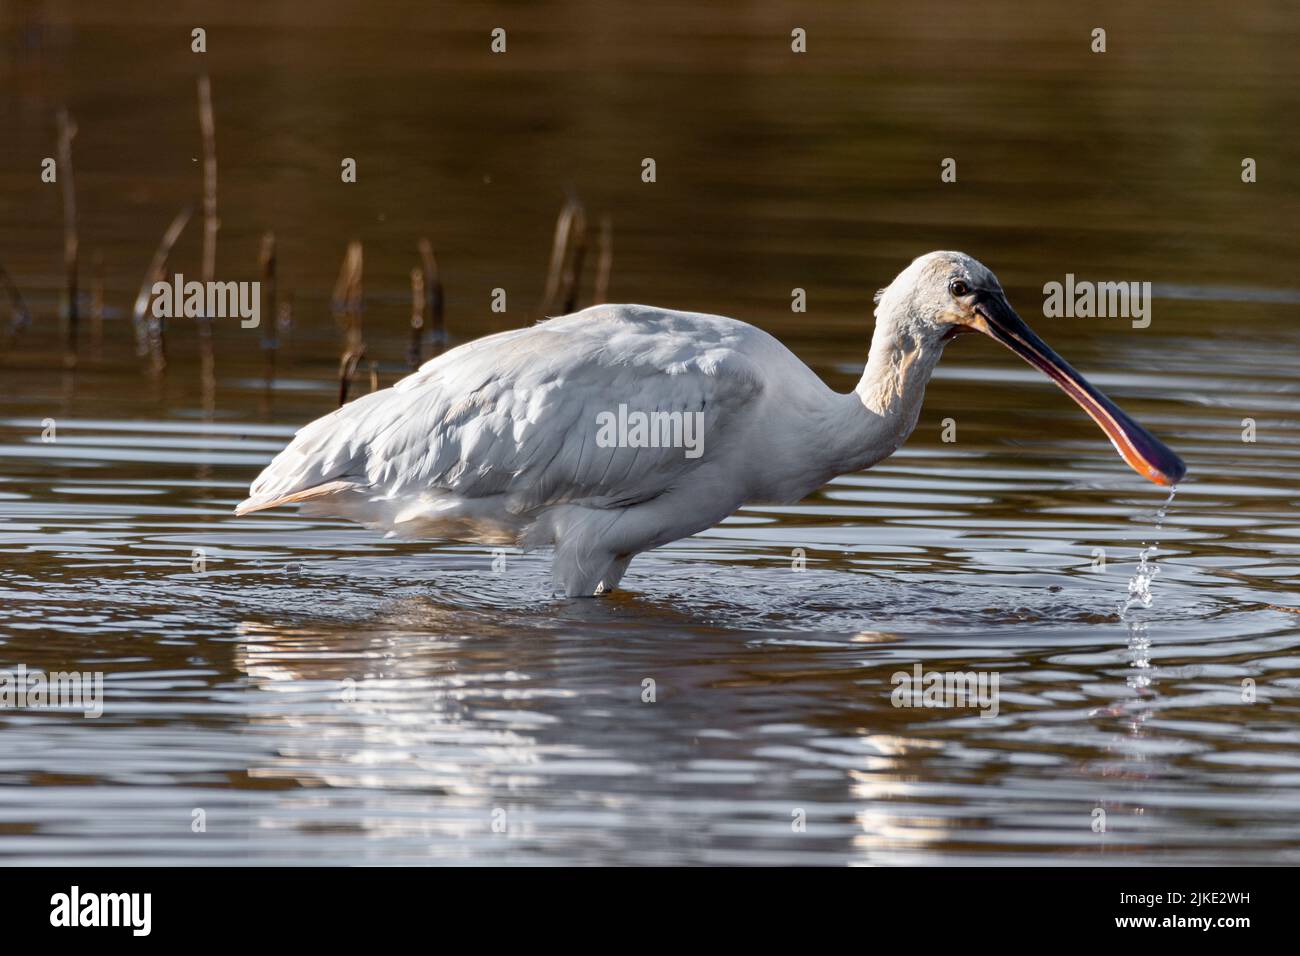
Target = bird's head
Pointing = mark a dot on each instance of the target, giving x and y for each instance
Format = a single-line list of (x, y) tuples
[(944, 294)]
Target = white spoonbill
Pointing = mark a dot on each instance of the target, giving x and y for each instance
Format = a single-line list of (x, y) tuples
[(622, 427)]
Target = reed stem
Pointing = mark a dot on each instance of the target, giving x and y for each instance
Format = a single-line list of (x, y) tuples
[(68, 313), (347, 302), (437, 330), (149, 330), (567, 247), (604, 260), (21, 317), (207, 125), (414, 351)]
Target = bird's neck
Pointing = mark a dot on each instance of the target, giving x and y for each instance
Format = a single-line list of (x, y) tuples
[(883, 409)]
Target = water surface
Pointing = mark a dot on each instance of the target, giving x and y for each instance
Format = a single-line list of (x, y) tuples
[(327, 696)]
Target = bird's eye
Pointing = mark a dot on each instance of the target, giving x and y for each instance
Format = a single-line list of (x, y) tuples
[(958, 288)]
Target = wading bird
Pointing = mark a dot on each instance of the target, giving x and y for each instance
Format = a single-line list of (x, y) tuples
[(508, 439)]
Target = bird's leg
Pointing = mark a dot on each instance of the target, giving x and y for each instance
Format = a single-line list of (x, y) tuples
[(593, 547), (614, 573), (584, 575)]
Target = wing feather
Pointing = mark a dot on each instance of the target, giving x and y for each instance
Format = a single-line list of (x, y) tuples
[(516, 415)]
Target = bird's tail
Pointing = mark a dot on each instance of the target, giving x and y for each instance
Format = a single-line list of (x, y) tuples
[(260, 502)]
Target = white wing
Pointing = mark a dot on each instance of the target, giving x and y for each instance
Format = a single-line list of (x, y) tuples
[(509, 423)]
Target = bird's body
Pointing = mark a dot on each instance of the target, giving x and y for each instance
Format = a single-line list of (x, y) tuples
[(496, 441), (523, 437)]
